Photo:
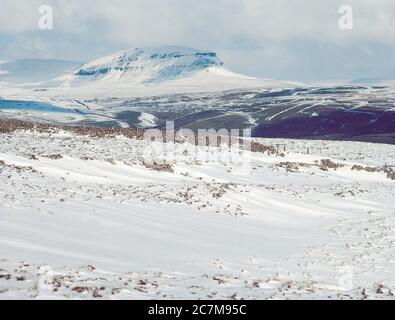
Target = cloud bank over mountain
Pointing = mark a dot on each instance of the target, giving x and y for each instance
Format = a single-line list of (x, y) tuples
[(271, 38)]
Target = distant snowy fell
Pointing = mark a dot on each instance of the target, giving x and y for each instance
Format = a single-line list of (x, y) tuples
[(149, 64), (136, 72), (158, 70)]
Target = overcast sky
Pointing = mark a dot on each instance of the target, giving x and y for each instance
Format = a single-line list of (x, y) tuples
[(283, 39)]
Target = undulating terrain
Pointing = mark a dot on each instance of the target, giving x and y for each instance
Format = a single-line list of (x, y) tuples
[(95, 213), (92, 209)]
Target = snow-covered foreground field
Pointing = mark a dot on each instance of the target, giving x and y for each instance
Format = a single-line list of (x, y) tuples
[(87, 217)]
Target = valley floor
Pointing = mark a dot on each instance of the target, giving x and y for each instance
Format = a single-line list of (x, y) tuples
[(91, 217)]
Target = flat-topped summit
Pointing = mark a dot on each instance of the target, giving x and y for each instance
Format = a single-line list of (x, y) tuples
[(144, 65), (154, 71)]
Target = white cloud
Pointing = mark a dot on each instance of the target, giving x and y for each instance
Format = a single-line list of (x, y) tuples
[(172, 20), (263, 27)]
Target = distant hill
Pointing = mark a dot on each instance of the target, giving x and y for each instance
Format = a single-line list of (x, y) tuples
[(164, 70), (34, 70)]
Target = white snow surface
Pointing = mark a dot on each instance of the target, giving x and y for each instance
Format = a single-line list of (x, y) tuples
[(147, 120), (87, 218)]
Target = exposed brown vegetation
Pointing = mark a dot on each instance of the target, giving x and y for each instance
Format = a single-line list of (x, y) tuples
[(388, 170), (9, 126), (81, 289), (289, 166), (5, 276), (329, 164), (161, 167), (367, 169), (55, 156), (391, 175), (86, 158), (33, 157), (18, 169), (258, 147), (221, 190)]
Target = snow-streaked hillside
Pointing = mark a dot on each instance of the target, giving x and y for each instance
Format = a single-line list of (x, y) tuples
[(91, 216), (153, 71), (338, 113), (130, 73), (144, 65)]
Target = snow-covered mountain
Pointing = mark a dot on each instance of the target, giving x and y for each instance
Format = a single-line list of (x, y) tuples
[(159, 70), (145, 65), (130, 73)]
